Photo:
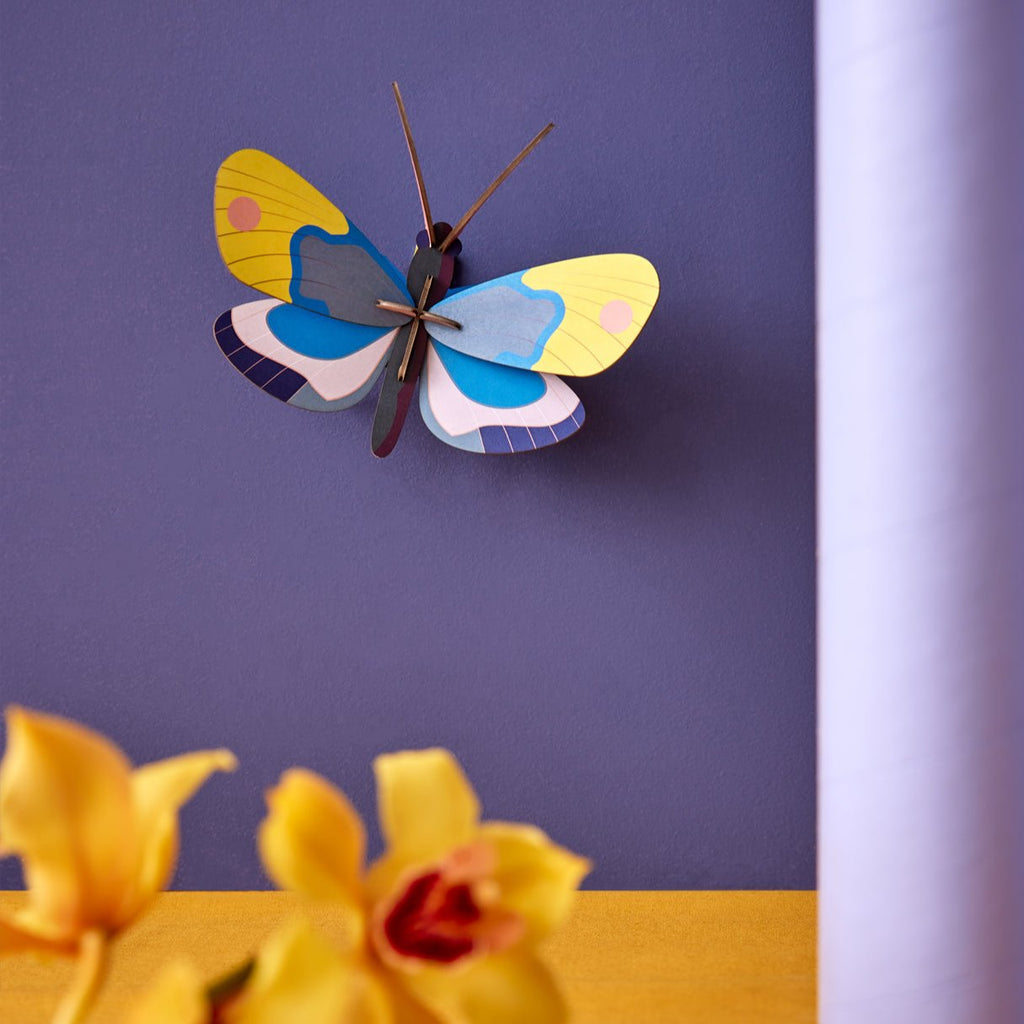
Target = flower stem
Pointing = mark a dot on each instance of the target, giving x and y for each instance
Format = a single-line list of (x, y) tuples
[(92, 968), (227, 987)]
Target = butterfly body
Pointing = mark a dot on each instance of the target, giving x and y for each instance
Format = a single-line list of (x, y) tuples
[(401, 374), (487, 358)]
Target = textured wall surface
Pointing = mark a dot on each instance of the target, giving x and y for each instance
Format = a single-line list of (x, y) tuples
[(616, 635)]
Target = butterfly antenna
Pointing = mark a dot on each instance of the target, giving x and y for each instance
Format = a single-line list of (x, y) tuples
[(416, 169), (493, 187)]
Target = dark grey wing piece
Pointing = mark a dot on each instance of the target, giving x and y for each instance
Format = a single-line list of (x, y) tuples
[(343, 276)]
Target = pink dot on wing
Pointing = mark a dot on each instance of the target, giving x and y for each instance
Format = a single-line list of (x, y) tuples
[(244, 213), (616, 316)]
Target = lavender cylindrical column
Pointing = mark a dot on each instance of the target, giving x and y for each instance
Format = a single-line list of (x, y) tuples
[(921, 511)]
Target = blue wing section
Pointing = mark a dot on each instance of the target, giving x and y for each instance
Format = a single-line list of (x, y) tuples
[(485, 407), (299, 357), (318, 337), (490, 384)]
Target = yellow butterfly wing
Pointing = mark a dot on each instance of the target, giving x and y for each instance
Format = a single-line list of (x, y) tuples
[(259, 203), (277, 233), (574, 318)]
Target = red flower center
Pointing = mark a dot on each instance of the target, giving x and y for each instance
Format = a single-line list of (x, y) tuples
[(447, 913), (432, 920)]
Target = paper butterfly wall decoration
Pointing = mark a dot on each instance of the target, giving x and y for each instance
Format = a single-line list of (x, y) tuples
[(340, 315)]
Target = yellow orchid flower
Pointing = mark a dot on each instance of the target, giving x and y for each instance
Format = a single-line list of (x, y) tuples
[(296, 978), (97, 840), (447, 921)]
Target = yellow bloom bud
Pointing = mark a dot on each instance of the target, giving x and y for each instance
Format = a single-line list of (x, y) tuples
[(96, 839)]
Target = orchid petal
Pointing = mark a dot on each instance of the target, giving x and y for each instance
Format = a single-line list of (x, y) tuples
[(405, 1008), (300, 979), (176, 997), (65, 809), (312, 841), (536, 878), (426, 805), (503, 988), (17, 936), (158, 792)]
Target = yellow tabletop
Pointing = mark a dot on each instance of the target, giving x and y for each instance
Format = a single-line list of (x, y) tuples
[(634, 957)]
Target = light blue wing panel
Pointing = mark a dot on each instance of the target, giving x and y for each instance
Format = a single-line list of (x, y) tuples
[(302, 358), (576, 317), (485, 407), (502, 321)]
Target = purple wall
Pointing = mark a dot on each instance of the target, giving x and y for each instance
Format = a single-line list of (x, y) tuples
[(615, 635)]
